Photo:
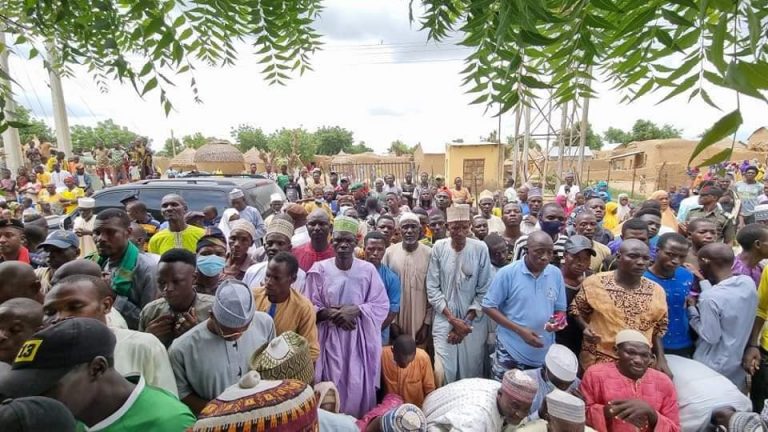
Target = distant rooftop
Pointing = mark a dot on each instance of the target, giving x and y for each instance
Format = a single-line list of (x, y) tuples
[(569, 152)]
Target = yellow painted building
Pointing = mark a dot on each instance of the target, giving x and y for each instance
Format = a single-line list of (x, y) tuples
[(479, 164)]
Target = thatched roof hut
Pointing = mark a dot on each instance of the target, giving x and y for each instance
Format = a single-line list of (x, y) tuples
[(252, 157), (184, 161), (219, 156)]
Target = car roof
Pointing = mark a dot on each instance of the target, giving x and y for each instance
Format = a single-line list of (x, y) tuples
[(227, 182)]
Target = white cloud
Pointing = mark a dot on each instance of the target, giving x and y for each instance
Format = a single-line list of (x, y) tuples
[(377, 76)]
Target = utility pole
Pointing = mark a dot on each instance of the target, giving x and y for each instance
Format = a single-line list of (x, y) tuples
[(173, 144), (561, 143), (526, 139), (60, 120), (583, 129), (11, 141), (516, 143)]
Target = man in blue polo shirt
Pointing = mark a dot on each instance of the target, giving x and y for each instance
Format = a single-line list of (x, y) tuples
[(523, 297)]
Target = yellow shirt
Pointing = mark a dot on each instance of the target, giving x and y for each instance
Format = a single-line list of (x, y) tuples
[(44, 178), (297, 314), (602, 252), (53, 200), (165, 240), (72, 195), (762, 306)]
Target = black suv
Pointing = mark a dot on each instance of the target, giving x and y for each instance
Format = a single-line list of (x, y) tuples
[(199, 192)]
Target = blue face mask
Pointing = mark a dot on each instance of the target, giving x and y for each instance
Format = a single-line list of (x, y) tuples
[(551, 227), (210, 265)]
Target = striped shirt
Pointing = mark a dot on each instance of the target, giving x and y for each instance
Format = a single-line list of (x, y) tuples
[(521, 249)]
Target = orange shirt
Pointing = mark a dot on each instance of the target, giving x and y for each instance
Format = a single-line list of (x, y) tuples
[(414, 382)]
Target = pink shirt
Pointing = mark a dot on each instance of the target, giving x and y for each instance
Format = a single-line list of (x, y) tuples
[(604, 383)]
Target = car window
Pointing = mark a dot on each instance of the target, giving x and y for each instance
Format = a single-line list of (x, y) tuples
[(111, 199), (198, 199), (259, 195)]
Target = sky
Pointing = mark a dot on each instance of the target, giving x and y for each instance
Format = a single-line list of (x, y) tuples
[(376, 76)]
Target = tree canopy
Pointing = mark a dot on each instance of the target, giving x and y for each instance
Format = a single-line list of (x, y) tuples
[(642, 130), (107, 132), (400, 148)]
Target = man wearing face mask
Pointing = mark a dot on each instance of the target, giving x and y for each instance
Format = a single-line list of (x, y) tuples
[(211, 259), (523, 298), (458, 277), (551, 221), (215, 354)]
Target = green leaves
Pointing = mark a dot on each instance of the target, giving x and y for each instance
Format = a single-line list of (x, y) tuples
[(724, 127), (716, 48)]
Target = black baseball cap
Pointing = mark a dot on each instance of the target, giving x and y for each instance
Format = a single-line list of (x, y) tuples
[(52, 352), (577, 243), (32, 414), (13, 223)]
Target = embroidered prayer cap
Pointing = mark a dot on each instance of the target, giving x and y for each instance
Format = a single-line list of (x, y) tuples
[(561, 362), (345, 224), (213, 237), (405, 418), (486, 194), (761, 212), (356, 186), (236, 193), (746, 422), (629, 335), (276, 197), (458, 213), (519, 386), (566, 406), (285, 357), (86, 203), (244, 226), (280, 226), (233, 305), (255, 404), (413, 217), (535, 192)]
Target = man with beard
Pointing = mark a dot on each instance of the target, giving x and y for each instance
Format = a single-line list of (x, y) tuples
[(131, 273), (275, 295), (522, 299), (551, 221), (178, 234), (351, 305), (318, 248), (458, 277), (642, 307), (409, 259), (495, 224), (586, 225), (278, 239)]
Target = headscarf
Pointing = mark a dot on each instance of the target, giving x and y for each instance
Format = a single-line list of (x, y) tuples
[(624, 210), (611, 218), (668, 218)]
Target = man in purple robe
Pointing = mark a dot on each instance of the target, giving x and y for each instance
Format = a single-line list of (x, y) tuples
[(351, 304)]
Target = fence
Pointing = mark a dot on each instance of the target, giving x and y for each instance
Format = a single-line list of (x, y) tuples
[(358, 172)]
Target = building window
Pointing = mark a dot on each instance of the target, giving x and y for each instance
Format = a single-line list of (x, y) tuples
[(474, 170)]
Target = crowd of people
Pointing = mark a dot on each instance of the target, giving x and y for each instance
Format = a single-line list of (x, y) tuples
[(406, 305)]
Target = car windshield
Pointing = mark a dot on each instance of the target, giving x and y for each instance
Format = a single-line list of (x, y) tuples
[(259, 195)]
